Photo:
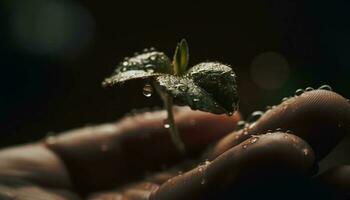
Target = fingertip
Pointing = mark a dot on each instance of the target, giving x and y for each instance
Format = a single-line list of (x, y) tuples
[(320, 117), (275, 153)]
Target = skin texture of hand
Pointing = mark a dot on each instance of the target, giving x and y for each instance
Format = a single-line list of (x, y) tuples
[(134, 159)]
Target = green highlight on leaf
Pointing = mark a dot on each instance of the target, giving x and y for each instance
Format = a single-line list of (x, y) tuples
[(207, 86), (181, 57)]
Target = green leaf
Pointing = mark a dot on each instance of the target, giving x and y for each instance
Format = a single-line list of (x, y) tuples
[(145, 65), (209, 87), (181, 57)]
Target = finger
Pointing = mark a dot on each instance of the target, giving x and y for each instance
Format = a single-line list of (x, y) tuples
[(139, 190), (319, 117), (112, 154), (275, 152), (12, 188), (34, 163), (336, 181)]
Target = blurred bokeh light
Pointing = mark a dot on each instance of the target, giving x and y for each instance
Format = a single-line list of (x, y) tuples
[(270, 70), (50, 27)]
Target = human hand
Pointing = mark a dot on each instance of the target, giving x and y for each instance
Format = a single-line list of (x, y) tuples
[(126, 160)]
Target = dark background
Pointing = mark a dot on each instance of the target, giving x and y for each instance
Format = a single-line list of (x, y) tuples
[(55, 53)]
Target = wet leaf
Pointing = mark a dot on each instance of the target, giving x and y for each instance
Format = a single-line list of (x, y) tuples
[(209, 87), (181, 57), (143, 66), (219, 81)]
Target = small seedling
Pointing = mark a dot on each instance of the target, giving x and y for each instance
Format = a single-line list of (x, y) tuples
[(208, 86)]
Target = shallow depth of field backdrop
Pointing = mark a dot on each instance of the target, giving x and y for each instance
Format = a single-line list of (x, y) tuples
[(55, 53)]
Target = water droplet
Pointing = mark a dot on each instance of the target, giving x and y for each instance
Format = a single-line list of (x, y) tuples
[(245, 130), (145, 50), (147, 90), (207, 162), (269, 131), (255, 116), (299, 92), (325, 87), (288, 131), (51, 139), (240, 125), (278, 129), (153, 58), (233, 75), (152, 49), (125, 63), (166, 123), (124, 69), (244, 146), (195, 100), (182, 87), (203, 181), (230, 113), (308, 89), (253, 140), (150, 66), (200, 169), (305, 151), (285, 99)]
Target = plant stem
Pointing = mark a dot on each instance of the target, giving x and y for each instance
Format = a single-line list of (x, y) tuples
[(174, 133), (168, 104)]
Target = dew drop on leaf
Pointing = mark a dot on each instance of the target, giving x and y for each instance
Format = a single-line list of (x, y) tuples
[(182, 87), (147, 90), (325, 87)]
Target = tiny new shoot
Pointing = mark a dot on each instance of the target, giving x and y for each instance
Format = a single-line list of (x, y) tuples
[(207, 86)]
